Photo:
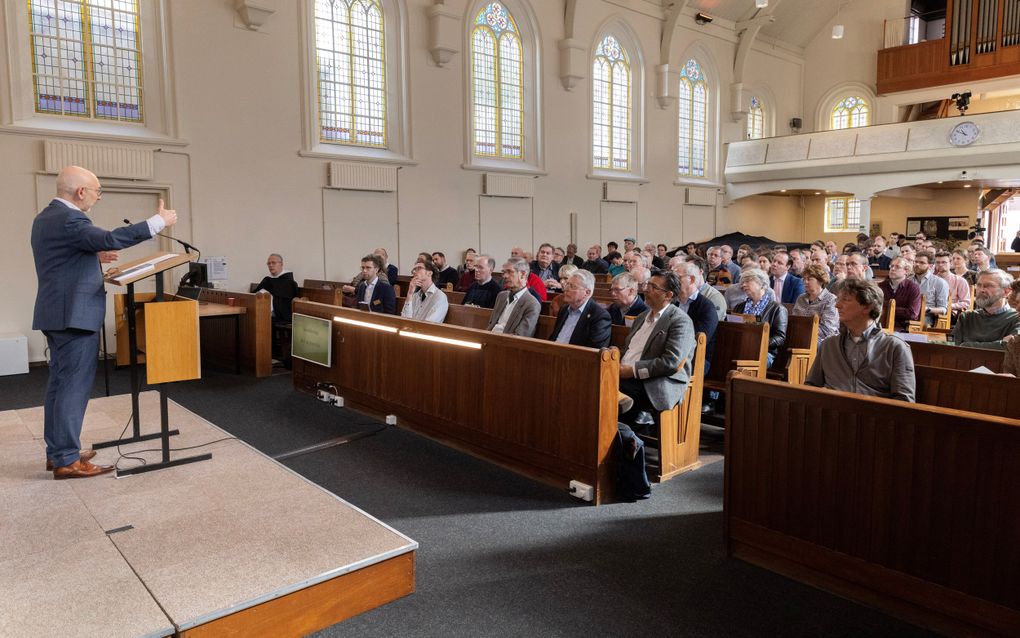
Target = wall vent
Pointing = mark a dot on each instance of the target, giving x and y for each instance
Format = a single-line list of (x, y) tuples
[(105, 160), (500, 185), (357, 176)]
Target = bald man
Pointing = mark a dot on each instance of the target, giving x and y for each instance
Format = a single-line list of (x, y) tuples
[(70, 306)]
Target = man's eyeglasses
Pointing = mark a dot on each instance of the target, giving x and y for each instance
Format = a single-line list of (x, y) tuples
[(655, 286), (99, 191)]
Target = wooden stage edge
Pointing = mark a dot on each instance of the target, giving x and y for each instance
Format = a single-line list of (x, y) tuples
[(320, 605)]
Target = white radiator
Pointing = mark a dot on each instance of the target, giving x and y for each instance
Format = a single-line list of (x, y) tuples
[(13, 354), (357, 176), (105, 160)]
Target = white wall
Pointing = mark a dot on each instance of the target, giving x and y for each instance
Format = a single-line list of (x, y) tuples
[(242, 190)]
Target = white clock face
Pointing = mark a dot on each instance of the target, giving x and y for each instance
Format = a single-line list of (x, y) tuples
[(964, 133)]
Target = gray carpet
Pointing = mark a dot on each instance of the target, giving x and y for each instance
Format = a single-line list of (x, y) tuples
[(502, 555)]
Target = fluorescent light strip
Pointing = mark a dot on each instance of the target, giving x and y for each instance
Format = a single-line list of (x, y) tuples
[(451, 342), (365, 324)]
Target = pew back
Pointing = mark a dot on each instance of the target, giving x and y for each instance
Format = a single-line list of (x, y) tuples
[(903, 506), (742, 346), (955, 357), (972, 391), (256, 331)]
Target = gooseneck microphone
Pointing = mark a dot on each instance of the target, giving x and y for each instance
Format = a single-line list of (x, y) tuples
[(187, 247)]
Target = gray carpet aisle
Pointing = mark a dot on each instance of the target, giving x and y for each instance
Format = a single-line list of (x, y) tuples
[(502, 555)]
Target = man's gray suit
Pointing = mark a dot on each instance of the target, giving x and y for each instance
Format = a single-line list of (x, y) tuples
[(523, 318), (671, 341), (69, 309)]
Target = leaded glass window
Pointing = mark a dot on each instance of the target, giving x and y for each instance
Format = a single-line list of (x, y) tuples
[(693, 98), (851, 112), (497, 88), (756, 120), (350, 55), (86, 58), (611, 106), (842, 214)]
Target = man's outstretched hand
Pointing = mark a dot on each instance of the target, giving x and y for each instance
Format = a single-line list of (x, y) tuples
[(168, 214)]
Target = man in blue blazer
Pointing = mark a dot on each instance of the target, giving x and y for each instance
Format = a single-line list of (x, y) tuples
[(786, 285), (70, 306), (375, 294), (581, 321)]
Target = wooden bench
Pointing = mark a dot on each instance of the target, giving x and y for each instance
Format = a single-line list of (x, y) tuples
[(902, 506), (797, 355), (743, 347), (941, 355), (459, 395), (989, 394)]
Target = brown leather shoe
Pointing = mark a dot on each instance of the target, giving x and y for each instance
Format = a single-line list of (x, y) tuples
[(80, 469), (85, 455)]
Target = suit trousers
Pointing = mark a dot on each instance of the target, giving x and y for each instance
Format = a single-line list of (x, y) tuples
[(635, 389), (73, 358)]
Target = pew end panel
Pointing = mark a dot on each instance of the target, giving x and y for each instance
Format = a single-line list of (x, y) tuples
[(738, 346), (942, 355), (679, 436), (256, 331), (900, 506)]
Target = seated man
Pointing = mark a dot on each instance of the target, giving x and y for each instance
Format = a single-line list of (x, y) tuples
[(544, 267), (424, 300), (701, 311), (994, 321), (581, 321), (861, 358), (280, 284), (958, 286), (483, 292), (374, 293), (447, 273), (655, 366), (906, 293), (595, 263), (934, 288), (387, 268), (626, 302), (516, 310), (786, 285)]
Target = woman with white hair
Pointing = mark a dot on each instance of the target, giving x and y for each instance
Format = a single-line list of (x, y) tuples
[(762, 304)]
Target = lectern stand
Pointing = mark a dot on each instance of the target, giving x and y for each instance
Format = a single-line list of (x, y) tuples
[(171, 350)]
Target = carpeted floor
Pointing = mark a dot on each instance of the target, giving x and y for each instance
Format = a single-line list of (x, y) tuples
[(502, 555)]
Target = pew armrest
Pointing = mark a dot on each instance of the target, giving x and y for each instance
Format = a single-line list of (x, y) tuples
[(799, 364), (747, 367)]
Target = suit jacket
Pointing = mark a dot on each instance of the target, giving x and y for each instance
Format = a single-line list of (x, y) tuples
[(383, 297), (671, 341), (64, 245), (523, 318), (535, 268), (391, 273), (793, 287), (619, 315), (593, 329)]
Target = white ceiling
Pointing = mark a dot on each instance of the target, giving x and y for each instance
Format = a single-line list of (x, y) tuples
[(797, 22)]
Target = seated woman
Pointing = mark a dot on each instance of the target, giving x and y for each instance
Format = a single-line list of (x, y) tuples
[(816, 300), (762, 304), (564, 274)]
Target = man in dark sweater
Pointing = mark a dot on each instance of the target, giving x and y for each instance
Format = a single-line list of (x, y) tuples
[(281, 285), (483, 292), (447, 273), (906, 293), (994, 321)]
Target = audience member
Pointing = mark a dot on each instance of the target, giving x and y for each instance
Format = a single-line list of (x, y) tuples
[(629, 244), (652, 252), (961, 266), (661, 251), (483, 291), (467, 275), (595, 264), (906, 293), (1015, 246), (863, 359), (785, 285), (544, 267), (765, 261), (934, 288), (447, 273), (616, 264), (876, 254), (374, 293), (626, 302), (691, 249), (280, 284), (535, 286), (908, 252), (993, 322), (558, 254), (425, 301), (706, 290), (958, 288), (797, 262), (857, 267), (566, 271), (830, 249), (816, 300), (892, 251), (387, 270), (734, 295), (765, 308), (1014, 295), (701, 311), (612, 247), (717, 275), (571, 256), (726, 253), (515, 311), (581, 321), (839, 273)]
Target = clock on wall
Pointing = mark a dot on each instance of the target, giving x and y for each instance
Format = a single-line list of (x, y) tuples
[(964, 134)]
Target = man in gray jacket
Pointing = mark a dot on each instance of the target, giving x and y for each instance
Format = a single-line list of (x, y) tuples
[(516, 310), (863, 359)]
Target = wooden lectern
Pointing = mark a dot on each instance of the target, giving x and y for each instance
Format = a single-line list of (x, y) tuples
[(171, 348)]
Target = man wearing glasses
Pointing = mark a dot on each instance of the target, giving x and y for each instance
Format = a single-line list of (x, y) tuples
[(626, 302), (581, 321), (70, 306), (424, 300)]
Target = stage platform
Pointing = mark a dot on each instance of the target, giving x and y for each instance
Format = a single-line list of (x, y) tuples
[(238, 545)]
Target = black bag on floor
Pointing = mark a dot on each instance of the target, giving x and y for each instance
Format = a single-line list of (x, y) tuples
[(631, 479)]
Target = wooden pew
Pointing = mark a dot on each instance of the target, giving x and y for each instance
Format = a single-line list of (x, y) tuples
[(798, 352), (460, 396), (679, 435), (955, 357), (990, 394), (329, 296), (256, 332), (901, 506), (743, 347)]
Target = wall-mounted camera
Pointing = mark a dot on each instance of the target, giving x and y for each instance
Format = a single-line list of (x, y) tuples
[(704, 18), (962, 101)]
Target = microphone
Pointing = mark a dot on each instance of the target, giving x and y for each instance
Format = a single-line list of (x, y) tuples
[(187, 247)]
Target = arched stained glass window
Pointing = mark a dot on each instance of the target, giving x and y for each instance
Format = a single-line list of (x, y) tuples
[(756, 120), (86, 58), (693, 96), (611, 106), (851, 112), (497, 89), (350, 55)]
